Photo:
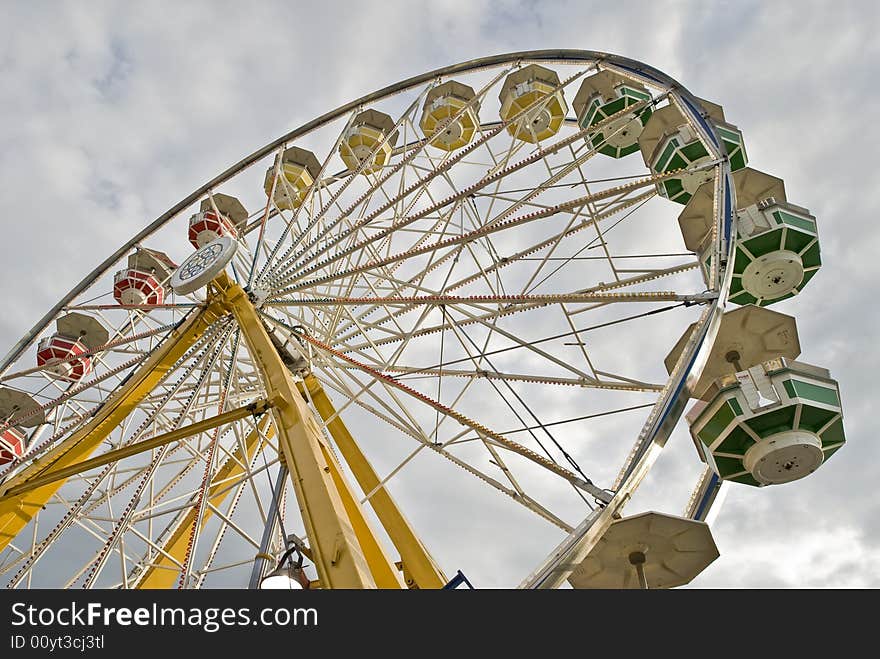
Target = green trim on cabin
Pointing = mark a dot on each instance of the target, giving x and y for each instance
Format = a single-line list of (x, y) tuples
[(694, 151), (729, 135), (738, 160), (833, 434), (811, 257), (728, 466), (591, 115), (815, 418), (614, 152), (807, 277), (744, 298), (770, 423), (768, 301), (673, 187), (737, 442), (627, 150), (607, 149), (677, 162), (740, 261), (716, 424), (796, 240), (746, 479), (831, 451), (632, 92), (665, 155), (614, 106), (764, 243), (810, 391), (783, 217), (734, 146)]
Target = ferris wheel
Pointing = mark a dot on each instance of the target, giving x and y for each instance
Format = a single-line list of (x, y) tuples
[(515, 271)]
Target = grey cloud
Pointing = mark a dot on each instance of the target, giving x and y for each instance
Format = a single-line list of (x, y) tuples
[(111, 113)]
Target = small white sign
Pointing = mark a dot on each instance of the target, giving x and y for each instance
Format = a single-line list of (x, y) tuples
[(204, 265)]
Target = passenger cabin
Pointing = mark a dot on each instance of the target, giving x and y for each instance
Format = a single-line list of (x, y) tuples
[(368, 142), (669, 143), (18, 410), (63, 353), (219, 215), (297, 173), (533, 105), (607, 94), (777, 242), (144, 281), (773, 423), (450, 115)]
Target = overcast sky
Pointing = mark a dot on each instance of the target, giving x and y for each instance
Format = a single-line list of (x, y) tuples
[(112, 112)]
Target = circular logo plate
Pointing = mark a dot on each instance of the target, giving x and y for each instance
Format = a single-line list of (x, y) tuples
[(203, 266)]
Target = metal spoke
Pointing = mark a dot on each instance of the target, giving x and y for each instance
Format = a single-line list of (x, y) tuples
[(435, 292)]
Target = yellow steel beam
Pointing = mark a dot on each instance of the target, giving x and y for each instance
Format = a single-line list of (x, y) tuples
[(417, 562), (163, 572), (381, 567), (17, 511), (344, 548), (115, 455)]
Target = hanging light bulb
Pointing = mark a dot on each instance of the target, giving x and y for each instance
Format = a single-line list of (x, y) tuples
[(291, 576)]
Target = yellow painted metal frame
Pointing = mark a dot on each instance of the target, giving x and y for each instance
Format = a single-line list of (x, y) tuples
[(343, 545), (138, 447), (418, 565), (17, 511)]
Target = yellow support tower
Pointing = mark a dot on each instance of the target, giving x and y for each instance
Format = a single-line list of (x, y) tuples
[(344, 548), (417, 562)]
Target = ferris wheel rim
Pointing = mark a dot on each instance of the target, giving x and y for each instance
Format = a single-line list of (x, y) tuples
[(544, 55), (689, 366)]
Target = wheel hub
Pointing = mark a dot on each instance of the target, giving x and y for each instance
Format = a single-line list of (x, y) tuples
[(202, 266)]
